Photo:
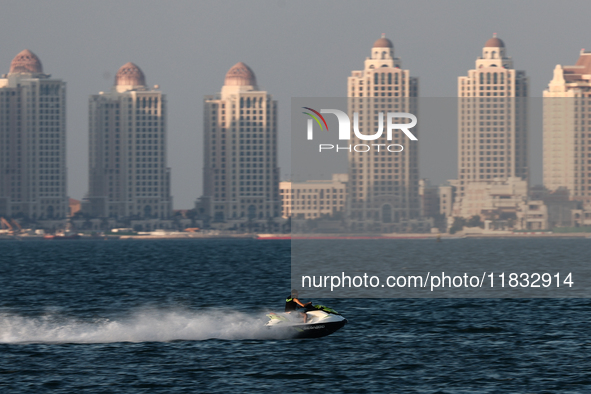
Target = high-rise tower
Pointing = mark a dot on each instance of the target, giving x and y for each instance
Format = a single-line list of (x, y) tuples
[(383, 186), (567, 130), (492, 124), (240, 173), (33, 180), (128, 173)]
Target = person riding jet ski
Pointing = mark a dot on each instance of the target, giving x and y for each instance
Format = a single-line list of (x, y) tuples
[(293, 304)]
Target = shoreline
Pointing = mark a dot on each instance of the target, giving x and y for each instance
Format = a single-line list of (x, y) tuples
[(270, 237), (424, 236)]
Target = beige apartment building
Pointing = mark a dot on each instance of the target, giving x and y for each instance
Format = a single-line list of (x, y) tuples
[(313, 199), (492, 119), (489, 198), (240, 172), (33, 180), (502, 204), (567, 130), (383, 189), (128, 174)]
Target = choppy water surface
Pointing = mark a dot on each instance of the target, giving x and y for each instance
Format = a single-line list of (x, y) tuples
[(185, 316)]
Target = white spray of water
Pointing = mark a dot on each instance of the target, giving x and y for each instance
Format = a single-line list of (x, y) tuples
[(142, 326)]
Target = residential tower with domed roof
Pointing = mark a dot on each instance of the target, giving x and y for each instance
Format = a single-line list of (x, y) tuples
[(33, 181), (492, 145), (128, 173), (240, 172), (492, 120), (383, 188)]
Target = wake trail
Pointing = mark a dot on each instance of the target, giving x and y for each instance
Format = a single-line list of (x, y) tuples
[(142, 326)]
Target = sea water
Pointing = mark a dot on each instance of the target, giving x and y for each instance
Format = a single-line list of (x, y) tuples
[(187, 316)]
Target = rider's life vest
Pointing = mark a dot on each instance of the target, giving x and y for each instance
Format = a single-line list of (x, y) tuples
[(290, 304)]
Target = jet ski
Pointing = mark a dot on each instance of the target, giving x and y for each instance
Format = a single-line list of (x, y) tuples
[(322, 321)]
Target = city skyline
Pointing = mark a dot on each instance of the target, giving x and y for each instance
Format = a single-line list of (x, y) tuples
[(462, 81), (272, 55)]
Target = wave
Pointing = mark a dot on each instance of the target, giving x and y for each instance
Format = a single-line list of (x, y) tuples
[(140, 326)]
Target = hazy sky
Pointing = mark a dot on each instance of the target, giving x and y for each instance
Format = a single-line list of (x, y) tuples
[(295, 48)]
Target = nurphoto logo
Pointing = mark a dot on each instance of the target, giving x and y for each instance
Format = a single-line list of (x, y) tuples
[(345, 130)]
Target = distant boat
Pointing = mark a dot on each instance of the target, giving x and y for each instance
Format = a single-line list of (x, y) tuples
[(72, 236), (62, 236)]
